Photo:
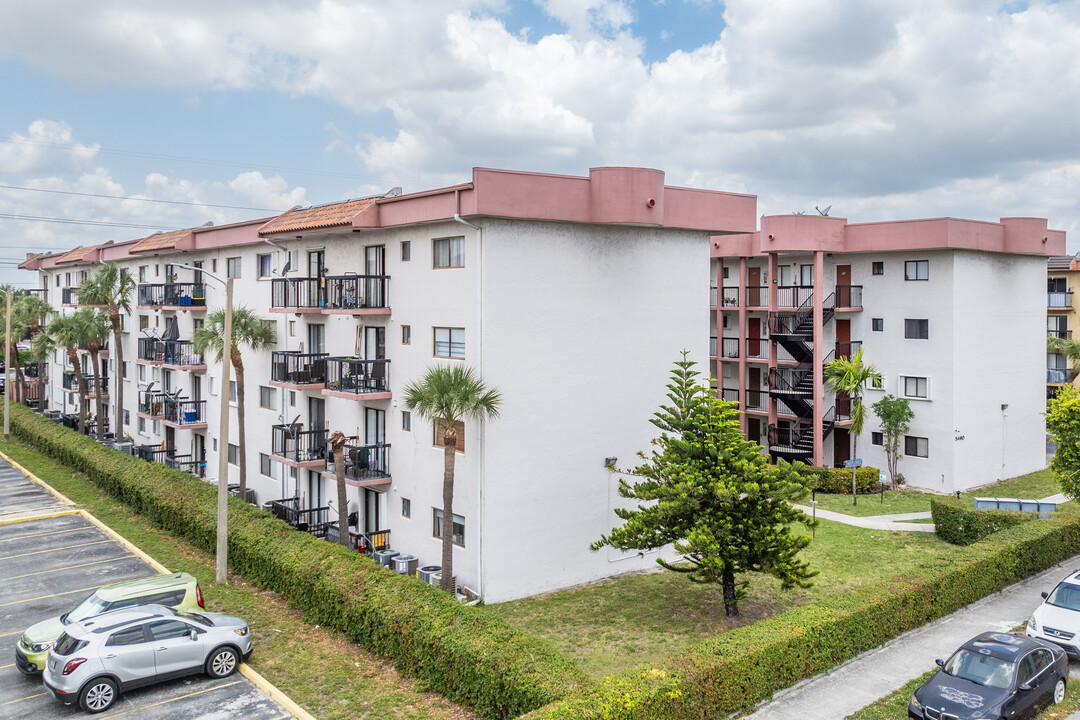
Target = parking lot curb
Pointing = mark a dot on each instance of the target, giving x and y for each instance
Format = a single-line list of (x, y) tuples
[(256, 679)]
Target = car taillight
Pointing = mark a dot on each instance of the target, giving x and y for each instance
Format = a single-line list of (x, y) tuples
[(198, 596), (72, 665)]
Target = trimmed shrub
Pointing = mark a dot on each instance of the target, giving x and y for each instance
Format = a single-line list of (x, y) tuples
[(958, 522), (462, 652), (735, 670), (838, 480)]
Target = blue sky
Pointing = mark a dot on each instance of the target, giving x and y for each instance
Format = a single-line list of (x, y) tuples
[(885, 110)]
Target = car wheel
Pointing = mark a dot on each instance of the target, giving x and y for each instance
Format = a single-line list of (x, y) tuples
[(1059, 691), (98, 695), (222, 662)]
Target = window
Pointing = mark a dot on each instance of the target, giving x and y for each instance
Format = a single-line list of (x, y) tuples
[(406, 420), (265, 465), (232, 391), (877, 438), (449, 252), (806, 275), (877, 324), (459, 426), (264, 264), (406, 251), (128, 636), (877, 383), (142, 425), (449, 342), (406, 334), (916, 446), (914, 387), (234, 454), (458, 536), (127, 417), (144, 322), (213, 265), (292, 328), (877, 268), (169, 629), (725, 319), (726, 272), (267, 397), (233, 267), (143, 269), (292, 398), (124, 370), (916, 329), (917, 270), (142, 373), (406, 507)]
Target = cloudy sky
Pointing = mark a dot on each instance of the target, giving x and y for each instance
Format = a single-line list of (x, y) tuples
[(120, 118)]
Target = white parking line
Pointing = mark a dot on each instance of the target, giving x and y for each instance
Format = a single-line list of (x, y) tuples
[(52, 532), (57, 549), (69, 567), (171, 700)]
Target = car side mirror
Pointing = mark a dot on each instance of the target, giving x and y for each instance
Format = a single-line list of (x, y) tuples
[(940, 662), (1025, 687), (1045, 595), (63, 618), (193, 634)]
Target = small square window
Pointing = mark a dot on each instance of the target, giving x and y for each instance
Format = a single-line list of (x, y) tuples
[(264, 263), (877, 268), (234, 454), (406, 250), (448, 252), (877, 324), (726, 272), (406, 334), (916, 446), (406, 507), (267, 397), (915, 387), (449, 342), (917, 270), (915, 329), (877, 438), (406, 420), (233, 268)]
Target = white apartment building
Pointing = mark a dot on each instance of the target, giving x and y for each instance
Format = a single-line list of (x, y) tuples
[(952, 312), (571, 295)]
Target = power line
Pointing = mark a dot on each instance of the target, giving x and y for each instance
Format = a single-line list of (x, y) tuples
[(74, 221), (138, 199)]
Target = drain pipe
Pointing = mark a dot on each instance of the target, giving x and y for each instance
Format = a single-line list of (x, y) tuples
[(480, 369)]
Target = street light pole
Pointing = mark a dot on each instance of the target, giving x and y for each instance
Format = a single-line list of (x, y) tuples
[(7, 370)]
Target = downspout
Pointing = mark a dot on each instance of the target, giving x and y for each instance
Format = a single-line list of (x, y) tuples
[(480, 370)]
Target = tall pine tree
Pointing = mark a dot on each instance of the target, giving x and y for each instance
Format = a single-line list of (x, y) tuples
[(713, 496)]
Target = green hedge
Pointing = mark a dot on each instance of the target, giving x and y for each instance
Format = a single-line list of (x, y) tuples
[(742, 667), (838, 480), (958, 522), (462, 652)]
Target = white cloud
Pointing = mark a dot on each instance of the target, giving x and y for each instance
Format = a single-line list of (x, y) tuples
[(46, 146)]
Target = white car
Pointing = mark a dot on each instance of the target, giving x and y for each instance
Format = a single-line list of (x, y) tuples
[(1057, 619)]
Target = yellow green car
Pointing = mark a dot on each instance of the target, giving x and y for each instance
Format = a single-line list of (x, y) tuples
[(179, 590)]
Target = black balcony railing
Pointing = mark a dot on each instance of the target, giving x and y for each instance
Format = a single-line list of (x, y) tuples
[(757, 296), (185, 412), (152, 404), (180, 353), (797, 439), (365, 542), (188, 464), (1063, 334), (843, 407), (339, 292), (729, 347), (757, 348), (363, 462), (1057, 299), (103, 345), (730, 394), (312, 520), (30, 370), (298, 445), (848, 296), (42, 293), (357, 377), (172, 294), (151, 349), (712, 347), (69, 296), (69, 382), (297, 368), (846, 349), (793, 296), (729, 295), (756, 400), (154, 453)]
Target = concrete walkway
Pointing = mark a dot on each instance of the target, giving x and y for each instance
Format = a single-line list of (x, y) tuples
[(876, 522), (874, 674)]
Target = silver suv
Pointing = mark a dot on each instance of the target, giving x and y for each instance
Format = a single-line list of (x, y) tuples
[(96, 659)]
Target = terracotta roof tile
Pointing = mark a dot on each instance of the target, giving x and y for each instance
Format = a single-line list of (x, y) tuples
[(320, 216), (76, 255), (1059, 262), (159, 241)]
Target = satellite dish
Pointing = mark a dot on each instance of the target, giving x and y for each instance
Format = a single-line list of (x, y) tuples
[(825, 212), (150, 386), (150, 333), (287, 268)]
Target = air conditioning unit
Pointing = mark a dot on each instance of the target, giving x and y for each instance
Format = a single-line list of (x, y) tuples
[(385, 557), (405, 565), (436, 580), (124, 447), (425, 573)]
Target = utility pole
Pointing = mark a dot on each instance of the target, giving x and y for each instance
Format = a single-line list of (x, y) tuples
[(7, 370), (223, 455)]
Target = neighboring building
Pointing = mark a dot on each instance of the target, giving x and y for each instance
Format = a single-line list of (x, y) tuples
[(571, 295), (950, 311), (1062, 276)]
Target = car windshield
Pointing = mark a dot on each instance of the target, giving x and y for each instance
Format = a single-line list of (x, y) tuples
[(89, 607), (196, 618), (1066, 595), (982, 669)]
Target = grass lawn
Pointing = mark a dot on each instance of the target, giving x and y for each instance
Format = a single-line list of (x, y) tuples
[(1034, 485), (894, 706), (615, 624), (321, 670)]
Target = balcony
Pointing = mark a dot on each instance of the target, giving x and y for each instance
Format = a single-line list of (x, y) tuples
[(351, 378), (757, 400), (713, 294), (297, 370), (42, 293), (151, 350), (172, 296), (69, 297), (1060, 376), (154, 453), (793, 296), (846, 349), (729, 347), (299, 448), (103, 346), (757, 349), (1059, 300), (712, 347), (70, 384), (181, 354), (185, 414), (1062, 334), (188, 464), (730, 296), (757, 296), (848, 297), (364, 464), (730, 395), (340, 294), (152, 405)]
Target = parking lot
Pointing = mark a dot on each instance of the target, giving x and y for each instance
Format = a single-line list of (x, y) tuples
[(47, 566)]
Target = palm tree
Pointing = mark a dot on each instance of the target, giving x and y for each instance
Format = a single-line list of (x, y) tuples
[(848, 376), (447, 395), (31, 311), (247, 329), (337, 446), (26, 313), (42, 347), (111, 286), (96, 326), (68, 332)]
